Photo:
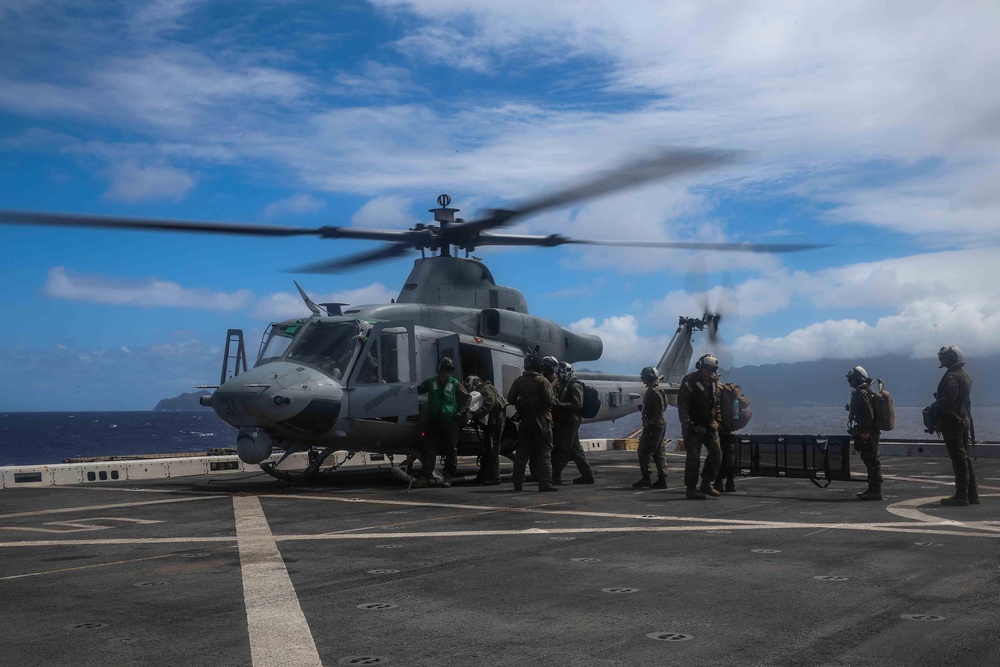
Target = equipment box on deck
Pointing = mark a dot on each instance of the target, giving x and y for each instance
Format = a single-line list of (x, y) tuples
[(814, 457)]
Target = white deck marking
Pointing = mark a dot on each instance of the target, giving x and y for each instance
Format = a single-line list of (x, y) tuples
[(88, 508), (279, 633)]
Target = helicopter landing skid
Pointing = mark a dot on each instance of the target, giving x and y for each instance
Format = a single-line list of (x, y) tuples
[(310, 473)]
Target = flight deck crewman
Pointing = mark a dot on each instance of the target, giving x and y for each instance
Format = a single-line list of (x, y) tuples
[(864, 428), (531, 393), (567, 409), (700, 416), (654, 403), (493, 410), (447, 401), (954, 417)]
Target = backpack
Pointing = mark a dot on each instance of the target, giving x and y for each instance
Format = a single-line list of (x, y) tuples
[(885, 412), (591, 402), (734, 404)]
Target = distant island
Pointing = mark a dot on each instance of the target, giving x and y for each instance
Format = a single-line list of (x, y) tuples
[(819, 383), (184, 403)]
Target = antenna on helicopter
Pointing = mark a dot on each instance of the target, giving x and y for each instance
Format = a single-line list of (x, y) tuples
[(305, 297), (445, 216)]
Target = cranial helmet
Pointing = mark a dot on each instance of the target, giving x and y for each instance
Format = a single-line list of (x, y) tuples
[(533, 360), (949, 355), (565, 370), (446, 364), (707, 361), (857, 376), (550, 362), (648, 375), (473, 383)]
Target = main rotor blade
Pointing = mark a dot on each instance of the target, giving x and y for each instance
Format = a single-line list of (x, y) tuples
[(235, 228), (553, 240), (669, 162), (357, 259)]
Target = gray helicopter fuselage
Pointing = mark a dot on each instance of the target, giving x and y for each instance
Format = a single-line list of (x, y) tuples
[(460, 295), (345, 383)]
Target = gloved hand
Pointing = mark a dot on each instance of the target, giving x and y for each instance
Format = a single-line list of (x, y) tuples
[(462, 418)]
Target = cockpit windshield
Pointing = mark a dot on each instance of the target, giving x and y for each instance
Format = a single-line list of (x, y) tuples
[(277, 338), (329, 346)]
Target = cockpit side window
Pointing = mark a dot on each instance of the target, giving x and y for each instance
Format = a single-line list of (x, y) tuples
[(276, 340), (329, 346)]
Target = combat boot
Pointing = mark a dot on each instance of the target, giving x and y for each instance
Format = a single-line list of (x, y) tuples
[(660, 483), (420, 483), (692, 493), (868, 489), (956, 501), (973, 498), (874, 492), (706, 488), (446, 483), (548, 488), (730, 485), (583, 480), (556, 480), (517, 486), (718, 486), (643, 483)]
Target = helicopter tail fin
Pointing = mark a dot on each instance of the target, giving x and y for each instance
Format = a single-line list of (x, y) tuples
[(676, 359)]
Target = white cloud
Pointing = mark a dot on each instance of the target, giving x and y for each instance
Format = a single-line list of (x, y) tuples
[(285, 305), (388, 212), (133, 183), (622, 342), (294, 205), (377, 78), (919, 330), (149, 293)]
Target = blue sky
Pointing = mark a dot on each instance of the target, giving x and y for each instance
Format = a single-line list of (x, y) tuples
[(873, 126)]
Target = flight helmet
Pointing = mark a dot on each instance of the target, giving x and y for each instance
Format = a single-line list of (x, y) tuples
[(473, 383), (857, 376), (949, 355), (565, 370), (707, 361), (648, 375), (549, 365), (533, 361), (446, 364)]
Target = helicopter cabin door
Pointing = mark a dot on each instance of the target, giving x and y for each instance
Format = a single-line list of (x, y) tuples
[(383, 382), (447, 346)]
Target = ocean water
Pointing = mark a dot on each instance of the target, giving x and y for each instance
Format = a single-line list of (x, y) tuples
[(48, 437)]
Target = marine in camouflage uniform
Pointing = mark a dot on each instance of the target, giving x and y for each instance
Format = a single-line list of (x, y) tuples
[(700, 416), (953, 407), (532, 395), (654, 404), (567, 408), (494, 413), (447, 402), (864, 429)]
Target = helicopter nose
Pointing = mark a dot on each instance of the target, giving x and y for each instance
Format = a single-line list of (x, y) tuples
[(279, 396)]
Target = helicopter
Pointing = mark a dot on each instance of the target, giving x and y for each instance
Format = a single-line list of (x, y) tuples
[(346, 380)]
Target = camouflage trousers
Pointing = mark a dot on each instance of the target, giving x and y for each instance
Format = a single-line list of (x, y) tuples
[(536, 443), (693, 441), (566, 447), (489, 448), (440, 439), (868, 449), (956, 439), (727, 466), (651, 447)]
